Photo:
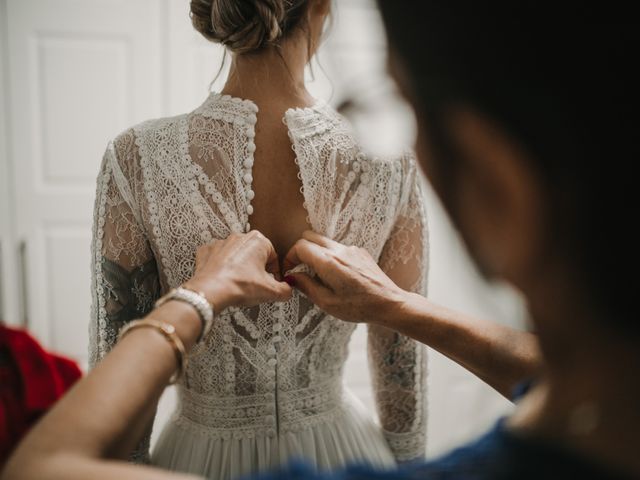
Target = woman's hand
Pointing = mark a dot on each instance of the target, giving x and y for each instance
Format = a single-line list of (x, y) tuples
[(349, 285), (239, 271)]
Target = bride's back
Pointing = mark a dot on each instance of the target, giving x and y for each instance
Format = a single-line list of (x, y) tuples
[(266, 383), (278, 210)]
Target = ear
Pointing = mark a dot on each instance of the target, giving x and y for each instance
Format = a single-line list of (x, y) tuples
[(500, 200)]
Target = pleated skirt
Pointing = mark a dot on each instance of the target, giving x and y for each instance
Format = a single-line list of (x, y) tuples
[(348, 436)]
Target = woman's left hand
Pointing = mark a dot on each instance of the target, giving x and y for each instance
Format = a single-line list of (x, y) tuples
[(239, 271)]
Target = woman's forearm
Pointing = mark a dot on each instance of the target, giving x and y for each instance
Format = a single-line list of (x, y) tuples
[(498, 355), (96, 421)]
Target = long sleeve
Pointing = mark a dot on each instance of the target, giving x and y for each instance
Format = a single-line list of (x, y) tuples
[(124, 274), (397, 363)]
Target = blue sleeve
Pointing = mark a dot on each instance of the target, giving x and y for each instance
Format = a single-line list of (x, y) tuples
[(302, 471)]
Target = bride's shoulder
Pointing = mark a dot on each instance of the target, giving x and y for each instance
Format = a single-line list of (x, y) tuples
[(153, 126), (126, 145), (335, 133)]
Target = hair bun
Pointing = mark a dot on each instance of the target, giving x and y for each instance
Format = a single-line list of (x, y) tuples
[(241, 25)]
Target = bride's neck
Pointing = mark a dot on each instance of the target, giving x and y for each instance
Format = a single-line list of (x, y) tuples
[(271, 75)]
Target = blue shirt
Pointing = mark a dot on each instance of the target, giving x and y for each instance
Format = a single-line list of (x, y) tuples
[(499, 454)]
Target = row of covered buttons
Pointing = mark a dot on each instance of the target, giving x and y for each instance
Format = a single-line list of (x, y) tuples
[(272, 362), (248, 163)]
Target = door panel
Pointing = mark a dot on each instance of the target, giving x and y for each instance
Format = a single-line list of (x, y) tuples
[(80, 72)]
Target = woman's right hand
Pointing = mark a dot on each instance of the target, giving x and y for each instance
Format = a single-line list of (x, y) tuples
[(348, 284), (239, 271)]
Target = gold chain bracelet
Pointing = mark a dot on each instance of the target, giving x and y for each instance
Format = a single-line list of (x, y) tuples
[(169, 332)]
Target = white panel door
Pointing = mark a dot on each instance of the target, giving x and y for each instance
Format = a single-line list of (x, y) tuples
[(192, 62), (80, 71)]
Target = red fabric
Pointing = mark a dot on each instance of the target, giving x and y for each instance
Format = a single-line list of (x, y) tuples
[(31, 381)]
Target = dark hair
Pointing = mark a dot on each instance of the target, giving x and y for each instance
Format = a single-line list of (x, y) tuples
[(247, 25), (564, 88)]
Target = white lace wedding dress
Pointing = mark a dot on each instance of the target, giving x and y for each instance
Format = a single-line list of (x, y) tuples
[(266, 385)]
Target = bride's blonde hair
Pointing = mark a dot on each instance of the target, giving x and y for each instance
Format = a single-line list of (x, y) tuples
[(245, 26)]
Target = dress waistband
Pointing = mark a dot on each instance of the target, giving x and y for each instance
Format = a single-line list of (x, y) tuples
[(261, 414)]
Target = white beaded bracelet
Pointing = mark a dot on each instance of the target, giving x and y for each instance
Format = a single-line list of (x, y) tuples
[(198, 301)]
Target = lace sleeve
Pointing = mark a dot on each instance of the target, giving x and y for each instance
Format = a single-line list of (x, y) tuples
[(398, 364), (124, 274)]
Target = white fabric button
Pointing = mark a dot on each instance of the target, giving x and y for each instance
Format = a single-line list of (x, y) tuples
[(252, 119), (248, 163), (251, 132), (248, 178), (272, 362), (277, 327), (251, 147), (251, 195), (249, 209), (271, 420), (247, 228)]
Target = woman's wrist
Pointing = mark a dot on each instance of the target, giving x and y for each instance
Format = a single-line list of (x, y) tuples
[(183, 317), (396, 305), (218, 292)]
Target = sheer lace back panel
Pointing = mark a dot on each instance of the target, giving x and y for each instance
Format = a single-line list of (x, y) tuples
[(169, 185)]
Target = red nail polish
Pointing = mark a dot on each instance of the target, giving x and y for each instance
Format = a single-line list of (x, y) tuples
[(291, 281)]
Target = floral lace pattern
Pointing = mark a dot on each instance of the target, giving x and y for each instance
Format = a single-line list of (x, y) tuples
[(167, 186)]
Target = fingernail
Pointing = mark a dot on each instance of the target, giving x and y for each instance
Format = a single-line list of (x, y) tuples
[(291, 281)]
